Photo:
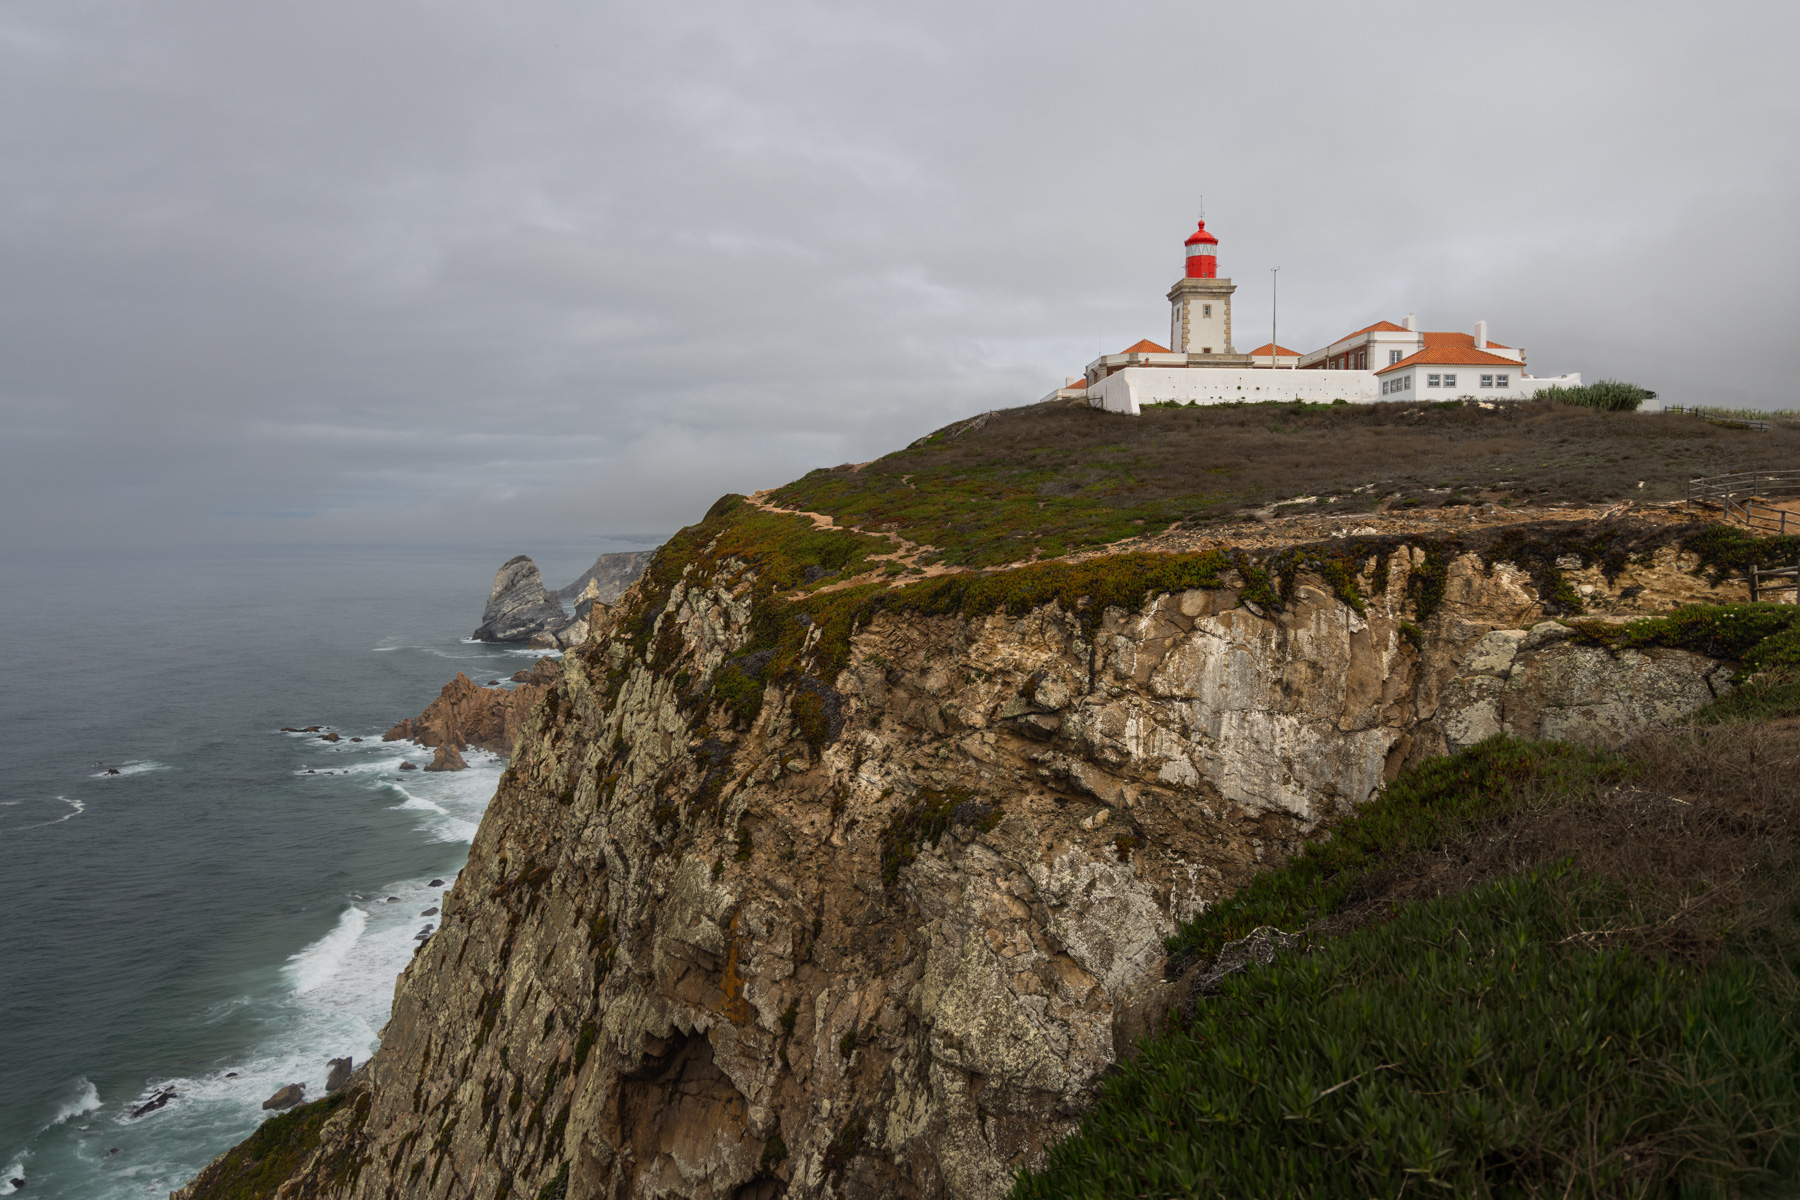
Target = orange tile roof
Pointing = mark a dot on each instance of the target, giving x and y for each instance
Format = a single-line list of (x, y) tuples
[(1377, 327), (1146, 346), (1454, 356), (1457, 339), (1279, 350)]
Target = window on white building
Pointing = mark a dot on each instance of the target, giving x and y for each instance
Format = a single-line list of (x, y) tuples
[(1501, 381), (1407, 383), (1433, 380), (1393, 357), (1384, 387), (1487, 381), (1449, 381), (1206, 311), (1206, 349)]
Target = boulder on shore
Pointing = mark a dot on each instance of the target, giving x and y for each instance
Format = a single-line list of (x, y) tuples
[(287, 1097), (448, 758), (339, 1073), (466, 714)]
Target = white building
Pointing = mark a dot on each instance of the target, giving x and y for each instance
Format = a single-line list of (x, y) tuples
[(1463, 373), (1383, 361)]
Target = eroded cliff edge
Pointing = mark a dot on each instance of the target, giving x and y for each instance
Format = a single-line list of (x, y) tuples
[(863, 899)]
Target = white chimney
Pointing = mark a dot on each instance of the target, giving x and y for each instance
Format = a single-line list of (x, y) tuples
[(1409, 324), (1481, 335)]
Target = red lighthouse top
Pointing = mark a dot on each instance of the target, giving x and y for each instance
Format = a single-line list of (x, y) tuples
[(1202, 252)]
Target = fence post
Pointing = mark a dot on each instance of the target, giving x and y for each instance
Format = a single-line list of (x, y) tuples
[(1754, 573)]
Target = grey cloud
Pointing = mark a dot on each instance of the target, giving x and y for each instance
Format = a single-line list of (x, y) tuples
[(416, 269)]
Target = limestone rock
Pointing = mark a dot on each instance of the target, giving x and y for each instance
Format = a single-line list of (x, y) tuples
[(521, 609), (286, 1097), (608, 578)]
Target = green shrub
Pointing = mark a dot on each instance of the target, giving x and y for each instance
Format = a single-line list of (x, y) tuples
[(1428, 805), (1608, 395), (270, 1156), (1757, 635), (1471, 1046)]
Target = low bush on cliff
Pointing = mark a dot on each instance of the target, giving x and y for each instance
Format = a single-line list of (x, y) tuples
[(1757, 635), (268, 1158), (1506, 1041)]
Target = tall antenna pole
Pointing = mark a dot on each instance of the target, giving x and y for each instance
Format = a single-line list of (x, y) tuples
[(1274, 294)]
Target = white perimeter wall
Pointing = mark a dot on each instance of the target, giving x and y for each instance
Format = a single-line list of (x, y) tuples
[(1129, 390)]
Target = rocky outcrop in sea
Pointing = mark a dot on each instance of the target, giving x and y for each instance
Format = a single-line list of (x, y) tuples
[(521, 609), (467, 714)]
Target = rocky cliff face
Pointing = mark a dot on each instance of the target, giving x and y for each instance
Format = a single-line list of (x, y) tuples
[(608, 578), (882, 933)]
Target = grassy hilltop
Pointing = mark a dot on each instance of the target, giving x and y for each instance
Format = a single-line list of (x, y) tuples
[(1040, 481)]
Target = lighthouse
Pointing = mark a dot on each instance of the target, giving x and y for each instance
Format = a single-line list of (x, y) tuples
[(1202, 254), (1200, 302)]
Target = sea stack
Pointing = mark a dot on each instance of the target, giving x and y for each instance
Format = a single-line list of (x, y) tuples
[(521, 609)]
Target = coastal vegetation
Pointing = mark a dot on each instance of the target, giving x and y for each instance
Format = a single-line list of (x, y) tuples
[(1526, 969), (1048, 479), (1608, 395)]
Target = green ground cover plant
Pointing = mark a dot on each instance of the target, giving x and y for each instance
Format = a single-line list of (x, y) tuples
[(1476, 1045), (269, 1157), (1757, 635), (1046, 479), (1438, 802), (1527, 969)]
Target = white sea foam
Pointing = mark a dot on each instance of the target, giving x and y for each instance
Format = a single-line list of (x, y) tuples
[(85, 1100), (413, 801), (14, 1170), (76, 808), (130, 768), (314, 966)]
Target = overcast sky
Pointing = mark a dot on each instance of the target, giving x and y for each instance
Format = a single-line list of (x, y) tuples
[(325, 269)]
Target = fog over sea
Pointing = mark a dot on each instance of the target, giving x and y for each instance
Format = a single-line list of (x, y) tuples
[(216, 917)]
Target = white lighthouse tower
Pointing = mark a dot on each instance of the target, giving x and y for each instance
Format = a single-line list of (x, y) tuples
[(1200, 302)]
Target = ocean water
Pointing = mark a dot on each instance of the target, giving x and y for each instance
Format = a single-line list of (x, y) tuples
[(229, 911)]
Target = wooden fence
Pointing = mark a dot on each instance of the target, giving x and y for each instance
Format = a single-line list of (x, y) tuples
[(1746, 496)]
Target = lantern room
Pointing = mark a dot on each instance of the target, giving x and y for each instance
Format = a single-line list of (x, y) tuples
[(1202, 254)]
